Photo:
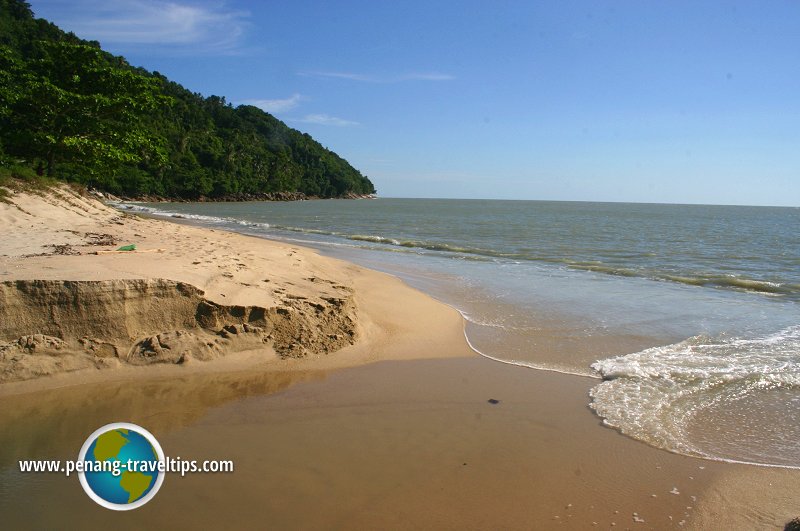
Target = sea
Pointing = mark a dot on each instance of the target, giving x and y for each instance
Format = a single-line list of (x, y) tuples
[(687, 316)]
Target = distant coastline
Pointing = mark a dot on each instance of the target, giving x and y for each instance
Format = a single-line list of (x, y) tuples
[(152, 139), (232, 198)]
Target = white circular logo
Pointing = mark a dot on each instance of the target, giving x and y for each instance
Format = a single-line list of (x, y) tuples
[(122, 466)]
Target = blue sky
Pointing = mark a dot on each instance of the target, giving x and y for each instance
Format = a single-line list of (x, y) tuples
[(677, 102)]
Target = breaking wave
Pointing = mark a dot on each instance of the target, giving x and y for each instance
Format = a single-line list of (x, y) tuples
[(672, 396)]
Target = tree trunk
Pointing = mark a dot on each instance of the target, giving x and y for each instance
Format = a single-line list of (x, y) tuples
[(51, 163)]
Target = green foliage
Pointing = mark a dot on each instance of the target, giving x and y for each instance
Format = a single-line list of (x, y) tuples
[(84, 115), (68, 104), (16, 171), (19, 177)]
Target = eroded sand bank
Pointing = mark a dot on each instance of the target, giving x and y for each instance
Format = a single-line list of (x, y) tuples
[(187, 296)]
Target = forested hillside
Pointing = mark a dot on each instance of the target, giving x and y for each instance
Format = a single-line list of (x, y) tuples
[(72, 111)]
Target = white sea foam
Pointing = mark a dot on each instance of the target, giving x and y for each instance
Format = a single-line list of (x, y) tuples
[(655, 395), (133, 207)]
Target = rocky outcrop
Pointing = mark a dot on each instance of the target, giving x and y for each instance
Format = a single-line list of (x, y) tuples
[(49, 326)]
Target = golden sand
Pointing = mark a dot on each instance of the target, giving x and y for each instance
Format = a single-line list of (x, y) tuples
[(410, 442)]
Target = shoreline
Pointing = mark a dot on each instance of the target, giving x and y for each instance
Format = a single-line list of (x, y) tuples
[(410, 413), (231, 271)]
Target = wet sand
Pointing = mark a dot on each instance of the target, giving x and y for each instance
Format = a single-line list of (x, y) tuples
[(412, 444)]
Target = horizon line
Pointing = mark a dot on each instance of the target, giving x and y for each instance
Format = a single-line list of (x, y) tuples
[(378, 196)]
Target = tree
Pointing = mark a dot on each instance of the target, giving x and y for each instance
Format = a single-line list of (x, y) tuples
[(71, 103), (90, 117)]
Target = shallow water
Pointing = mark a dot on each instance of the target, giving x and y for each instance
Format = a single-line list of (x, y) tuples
[(690, 313)]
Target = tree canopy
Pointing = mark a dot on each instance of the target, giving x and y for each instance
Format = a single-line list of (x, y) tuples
[(82, 114)]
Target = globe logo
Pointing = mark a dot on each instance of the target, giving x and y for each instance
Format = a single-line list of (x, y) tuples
[(122, 469)]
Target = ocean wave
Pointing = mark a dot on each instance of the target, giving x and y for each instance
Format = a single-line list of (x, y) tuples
[(608, 270), (429, 245), (655, 394), (733, 281), (373, 239), (602, 265), (133, 207), (306, 231)]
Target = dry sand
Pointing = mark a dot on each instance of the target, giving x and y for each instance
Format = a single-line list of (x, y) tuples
[(410, 443), (123, 309)]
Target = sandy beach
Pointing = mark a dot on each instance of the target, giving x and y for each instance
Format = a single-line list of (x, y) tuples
[(299, 306), (346, 398)]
